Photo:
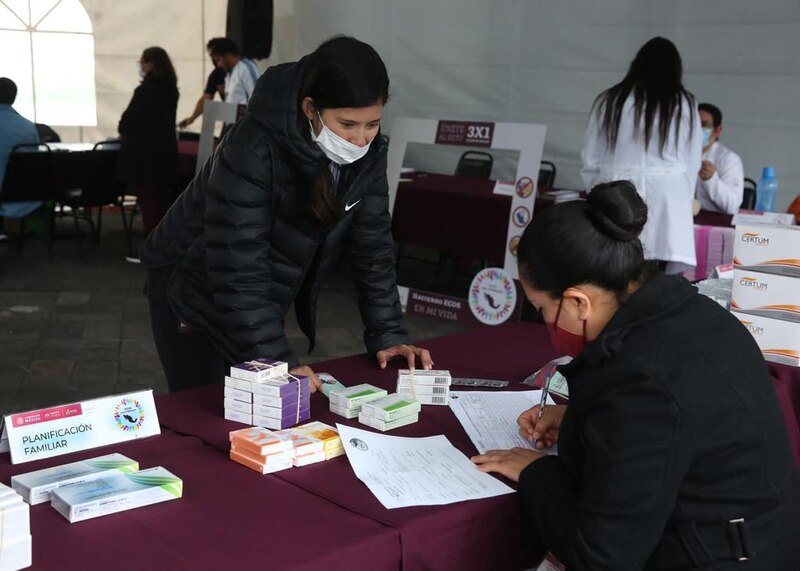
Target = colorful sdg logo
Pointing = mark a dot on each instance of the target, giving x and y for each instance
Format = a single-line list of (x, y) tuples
[(492, 296), (129, 414)]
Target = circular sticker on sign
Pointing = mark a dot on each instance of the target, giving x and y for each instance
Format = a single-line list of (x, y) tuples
[(513, 245), (492, 296), (521, 216), (129, 414), (524, 187)]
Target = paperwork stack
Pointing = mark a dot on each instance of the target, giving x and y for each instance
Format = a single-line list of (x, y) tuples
[(15, 531), (390, 412), (261, 450), (347, 402), (427, 387), (263, 393)]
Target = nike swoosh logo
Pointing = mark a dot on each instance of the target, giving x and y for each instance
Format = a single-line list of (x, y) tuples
[(349, 206)]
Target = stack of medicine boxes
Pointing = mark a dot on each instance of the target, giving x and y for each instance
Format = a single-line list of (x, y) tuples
[(766, 288), (261, 392)]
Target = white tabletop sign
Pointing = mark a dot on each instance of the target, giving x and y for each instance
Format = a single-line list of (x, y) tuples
[(72, 427), (759, 217)]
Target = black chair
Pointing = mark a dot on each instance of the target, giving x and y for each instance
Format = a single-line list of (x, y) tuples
[(749, 196), (99, 188), (475, 164), (47, 134), (547, 175), (28, 178)]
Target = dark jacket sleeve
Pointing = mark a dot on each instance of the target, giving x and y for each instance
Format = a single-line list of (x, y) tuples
[(636, 453), (238, 224), (371, 250), (135, 119)]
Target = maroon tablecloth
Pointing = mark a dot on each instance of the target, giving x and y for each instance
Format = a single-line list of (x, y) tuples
[(462, 216), (229, 517), (466, 534), (187, 158)]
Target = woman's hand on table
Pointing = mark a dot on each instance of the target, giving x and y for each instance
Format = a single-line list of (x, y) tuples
[(543, 431), (313, 379), (509, 463), (408, 352)]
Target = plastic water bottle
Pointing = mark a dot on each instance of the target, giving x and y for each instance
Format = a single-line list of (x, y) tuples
[(766, 190)]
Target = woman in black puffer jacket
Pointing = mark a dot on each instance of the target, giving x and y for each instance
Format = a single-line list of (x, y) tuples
[(301, 175)]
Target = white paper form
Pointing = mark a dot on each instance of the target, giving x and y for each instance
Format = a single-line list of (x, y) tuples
[(490, 417), (404, 472)]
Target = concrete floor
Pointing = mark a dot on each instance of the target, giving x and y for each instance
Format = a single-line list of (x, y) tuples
[(79, 327)]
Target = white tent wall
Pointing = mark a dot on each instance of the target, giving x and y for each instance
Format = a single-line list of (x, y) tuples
[(123, 29), (540, 61)]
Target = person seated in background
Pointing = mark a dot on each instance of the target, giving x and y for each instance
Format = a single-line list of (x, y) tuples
[(672, 450), (720, 184), (14, 130), (241, 73), (215, 84)]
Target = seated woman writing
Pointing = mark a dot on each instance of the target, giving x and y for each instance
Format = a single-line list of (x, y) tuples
[(672, 451)]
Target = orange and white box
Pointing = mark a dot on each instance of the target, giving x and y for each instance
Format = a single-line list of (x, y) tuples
[(778, 340), (301, 443), (767, 248), (260, 441), (767, 295), (271, 463)]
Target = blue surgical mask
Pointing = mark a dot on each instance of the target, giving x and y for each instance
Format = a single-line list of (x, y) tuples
[(707, 135)]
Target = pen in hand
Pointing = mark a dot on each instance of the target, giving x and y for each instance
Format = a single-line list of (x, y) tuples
[(545, 390)]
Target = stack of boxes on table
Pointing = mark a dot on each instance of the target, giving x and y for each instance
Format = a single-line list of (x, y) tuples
[(261, 392), (15, 531), (428, 387), (268, 451), (766, 288), (96, 487)]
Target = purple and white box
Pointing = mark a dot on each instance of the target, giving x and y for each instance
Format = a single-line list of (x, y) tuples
[(257, 370), (287, 410), (286, 387), (278, 424)]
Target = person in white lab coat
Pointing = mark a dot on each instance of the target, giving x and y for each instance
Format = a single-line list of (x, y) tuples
[(720, 183), (646, 129)]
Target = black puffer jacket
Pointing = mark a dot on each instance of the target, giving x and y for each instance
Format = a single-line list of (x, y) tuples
[(243, 246)]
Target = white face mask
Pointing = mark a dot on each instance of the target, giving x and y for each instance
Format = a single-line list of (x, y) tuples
[(707, 136), (339, 150), (142, 73)]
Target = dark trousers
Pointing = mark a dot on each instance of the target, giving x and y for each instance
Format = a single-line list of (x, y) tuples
[(154, 200), (189, 358)]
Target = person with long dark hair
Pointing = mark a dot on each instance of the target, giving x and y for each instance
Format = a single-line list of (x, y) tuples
[(646, 129), (302, 175), (672, 450), (148, 158)]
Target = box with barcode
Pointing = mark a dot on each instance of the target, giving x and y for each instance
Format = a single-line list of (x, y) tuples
[(441, 400), (257, 370), (391, 407), (423, 377), (410, 389)]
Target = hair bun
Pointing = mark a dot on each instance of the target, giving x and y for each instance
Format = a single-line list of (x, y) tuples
[(617, 210)]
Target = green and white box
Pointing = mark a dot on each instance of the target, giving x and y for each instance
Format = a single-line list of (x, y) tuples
[(113, 494), (391, 407), (383, 426), (346, 412), (353, 397), (423, 377), (35, 487)]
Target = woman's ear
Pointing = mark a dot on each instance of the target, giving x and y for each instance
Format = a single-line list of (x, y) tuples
[(580, 303), (309, 110)]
